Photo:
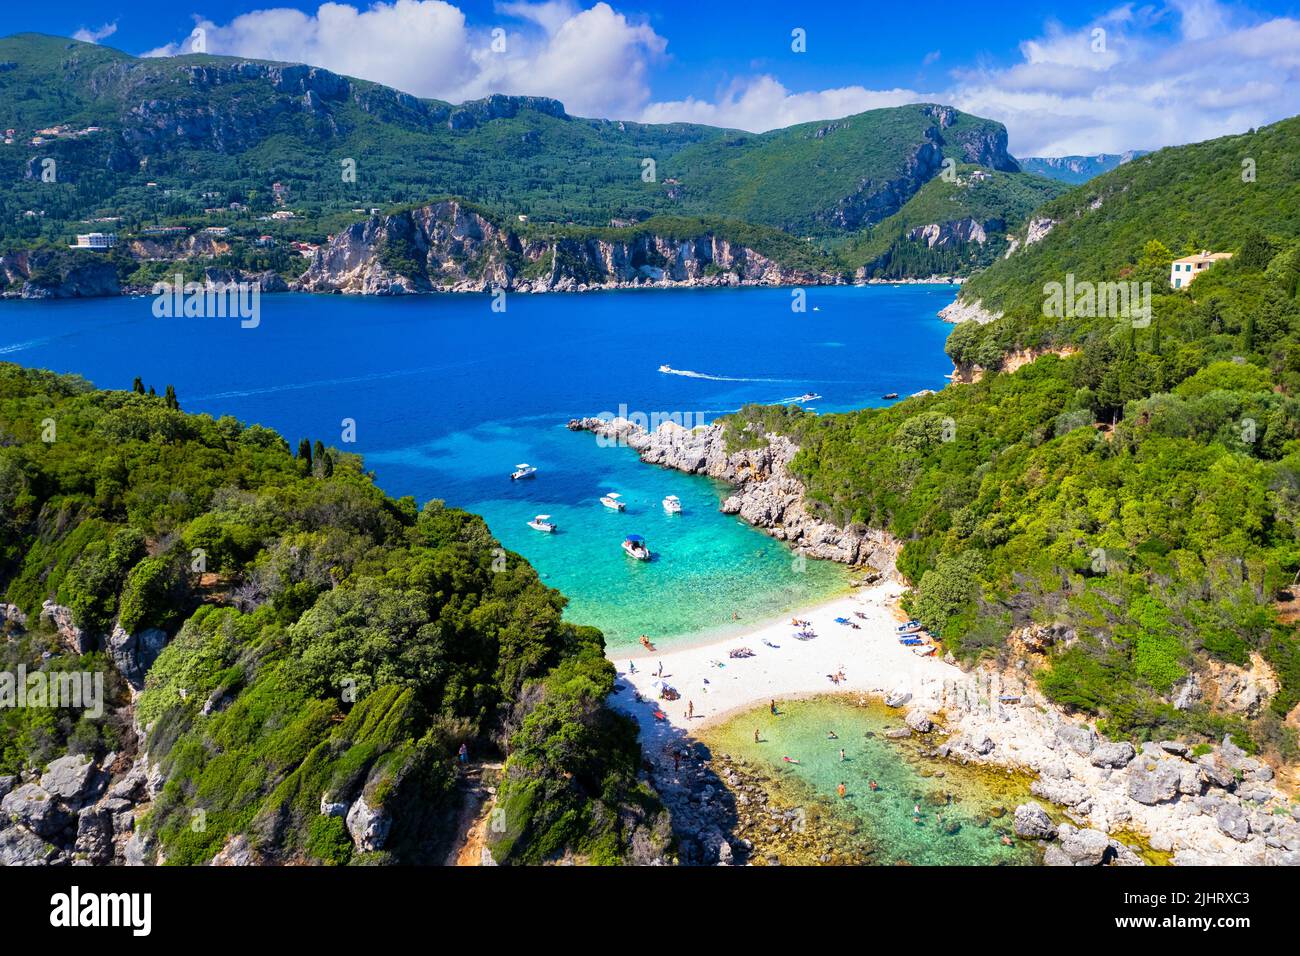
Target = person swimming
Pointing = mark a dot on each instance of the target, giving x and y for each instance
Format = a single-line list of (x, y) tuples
[(874, 786), (789, 760), (832, 735)]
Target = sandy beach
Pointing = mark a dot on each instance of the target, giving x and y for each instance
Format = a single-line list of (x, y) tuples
[(783, 667)]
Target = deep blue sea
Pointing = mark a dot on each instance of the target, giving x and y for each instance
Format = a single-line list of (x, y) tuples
[(448, 395)]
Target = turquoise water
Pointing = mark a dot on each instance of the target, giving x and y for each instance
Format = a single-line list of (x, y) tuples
[(964, 813), (448, 396)]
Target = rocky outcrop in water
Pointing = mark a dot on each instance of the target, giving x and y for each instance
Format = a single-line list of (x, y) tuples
[(766, 494)]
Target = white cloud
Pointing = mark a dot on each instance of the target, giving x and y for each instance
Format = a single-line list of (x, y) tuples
[(94, 36), (595, 60), (764, 103)]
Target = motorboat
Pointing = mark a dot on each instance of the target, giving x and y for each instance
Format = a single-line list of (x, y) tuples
[(613, 501), (889, 396), (543, 523), (808, 397), (635, 547), (673, 505), (666, 368), (523, 470)]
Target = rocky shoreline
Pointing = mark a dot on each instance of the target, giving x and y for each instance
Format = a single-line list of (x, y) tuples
[(961, 310), (765, 494), (1202, 805)]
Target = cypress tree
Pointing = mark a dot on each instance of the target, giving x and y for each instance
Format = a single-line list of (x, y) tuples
[(137, 386), (304, 451), (170, 398)]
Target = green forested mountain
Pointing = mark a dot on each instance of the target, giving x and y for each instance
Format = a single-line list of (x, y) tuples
[(331, 645), (1134, 500), (178, 140), (951, 225), (838, 175)]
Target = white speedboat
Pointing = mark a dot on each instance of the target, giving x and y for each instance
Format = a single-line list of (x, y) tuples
[(543, 523), (635, 547), (523, 470), (665, 368), (673, 505), (808, 397), (613, 501)]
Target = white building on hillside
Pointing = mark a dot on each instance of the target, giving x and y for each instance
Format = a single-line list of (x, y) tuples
[(1189, 267), (95, 240)]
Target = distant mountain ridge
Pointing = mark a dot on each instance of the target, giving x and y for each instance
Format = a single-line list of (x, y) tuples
[(205, 141), (1077, 169)]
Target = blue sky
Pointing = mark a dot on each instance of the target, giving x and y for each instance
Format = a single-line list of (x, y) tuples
[(1064, 77)]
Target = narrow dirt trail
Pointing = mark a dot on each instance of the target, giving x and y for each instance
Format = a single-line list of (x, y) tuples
[(470, 845)]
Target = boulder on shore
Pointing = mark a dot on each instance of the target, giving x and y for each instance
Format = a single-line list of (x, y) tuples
[(1083, 847), (919, 721), (1113, 755), (1081, 740), (1032, 822)]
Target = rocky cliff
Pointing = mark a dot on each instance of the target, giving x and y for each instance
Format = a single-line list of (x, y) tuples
[(766, 494), (55, 274), (954, 233), (447, 246)]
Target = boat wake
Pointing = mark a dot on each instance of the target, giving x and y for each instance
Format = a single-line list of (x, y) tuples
[(687, 373), (20, 346)]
